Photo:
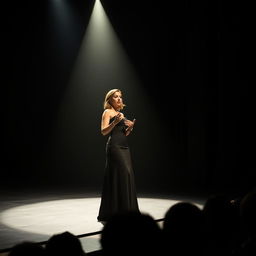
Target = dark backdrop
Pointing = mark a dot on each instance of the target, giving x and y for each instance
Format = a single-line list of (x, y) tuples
[(193, 59)]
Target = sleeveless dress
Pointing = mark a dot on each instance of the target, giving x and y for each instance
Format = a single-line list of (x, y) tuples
[(119, 192)]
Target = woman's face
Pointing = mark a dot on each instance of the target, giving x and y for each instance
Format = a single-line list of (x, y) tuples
[(116, 100)]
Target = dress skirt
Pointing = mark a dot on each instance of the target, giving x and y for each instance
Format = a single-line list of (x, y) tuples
[(118, 193)]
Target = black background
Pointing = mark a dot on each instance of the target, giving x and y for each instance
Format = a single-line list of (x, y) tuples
[(194, 59)]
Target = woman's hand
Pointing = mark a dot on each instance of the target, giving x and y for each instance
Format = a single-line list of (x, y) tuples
[(130, 124), (118, 118)]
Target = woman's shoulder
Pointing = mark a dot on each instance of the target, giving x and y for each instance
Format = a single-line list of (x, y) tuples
[(108, 113)]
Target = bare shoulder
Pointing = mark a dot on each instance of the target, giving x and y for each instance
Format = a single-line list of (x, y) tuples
[(107, 113)]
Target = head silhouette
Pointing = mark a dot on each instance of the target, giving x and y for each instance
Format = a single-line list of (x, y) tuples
[(182, 228), (64, 244), (127, 233), (182, 218)]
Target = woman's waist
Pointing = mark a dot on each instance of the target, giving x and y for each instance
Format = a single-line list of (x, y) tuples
[(117, 140)]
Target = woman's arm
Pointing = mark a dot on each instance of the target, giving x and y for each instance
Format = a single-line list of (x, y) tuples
[(107, 127)]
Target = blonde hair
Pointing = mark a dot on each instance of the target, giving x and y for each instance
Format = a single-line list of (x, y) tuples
[(106, 104)]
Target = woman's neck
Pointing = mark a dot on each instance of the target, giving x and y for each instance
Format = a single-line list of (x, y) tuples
[(116, 109)]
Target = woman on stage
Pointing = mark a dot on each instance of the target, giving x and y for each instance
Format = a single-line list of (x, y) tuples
[(119, 192)]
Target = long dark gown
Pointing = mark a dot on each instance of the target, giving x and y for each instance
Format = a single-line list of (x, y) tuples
[(119, 192)]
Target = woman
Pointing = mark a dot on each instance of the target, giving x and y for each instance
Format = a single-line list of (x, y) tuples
[(119, 193)]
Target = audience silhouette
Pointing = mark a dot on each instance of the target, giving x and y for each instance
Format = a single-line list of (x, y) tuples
[(182, 229), (64, 244), (130, 233), (222, 225)]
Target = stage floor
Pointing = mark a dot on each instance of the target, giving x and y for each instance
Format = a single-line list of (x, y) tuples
[(35, 216)]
